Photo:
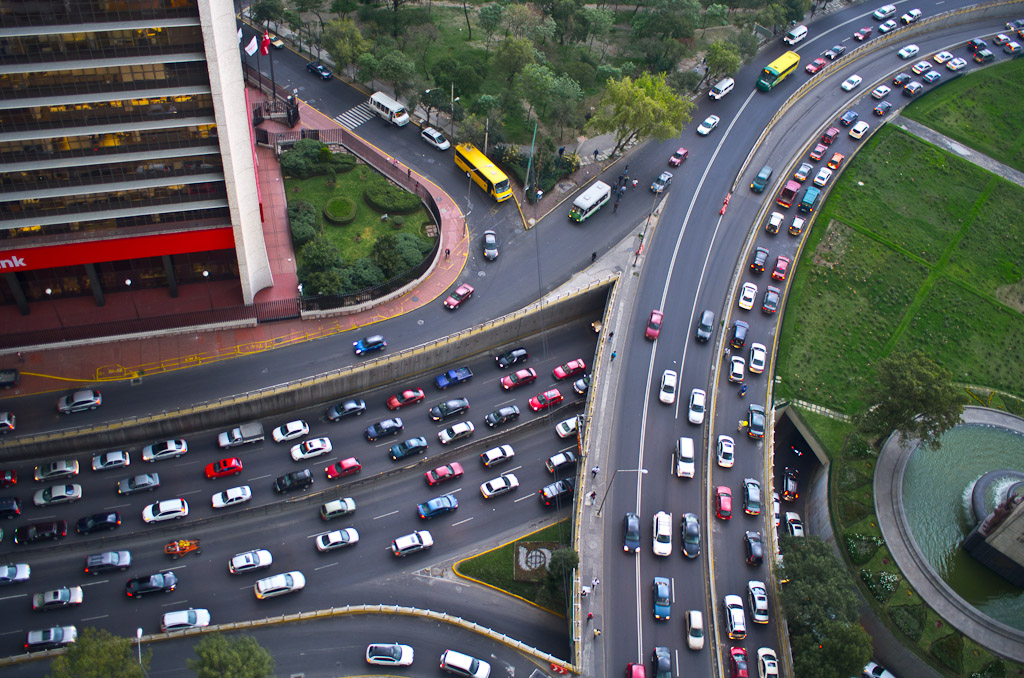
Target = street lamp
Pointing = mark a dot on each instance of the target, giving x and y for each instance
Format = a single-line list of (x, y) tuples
[(453, 100), (641, 471), (138, 636)]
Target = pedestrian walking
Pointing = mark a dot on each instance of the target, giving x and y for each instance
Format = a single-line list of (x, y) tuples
[(561, 151), (597, 632), (594, 471), (595, 155), (636, 182), (625, 170), (595, 582), (590, 616), (622, 190), (593, 257), (613, 356), (610, 335), (593, 496), (447, 253), (615, 207)]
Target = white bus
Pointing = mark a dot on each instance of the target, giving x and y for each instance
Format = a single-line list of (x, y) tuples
[(389, 109)]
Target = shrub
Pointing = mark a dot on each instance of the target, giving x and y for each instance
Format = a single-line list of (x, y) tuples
[(852, 512), (330, 282), (364, 273), (996, 669), (302, 221), (881, 584), (412, 249), (320, 254), (309, 157), (398, 221), (949, 650), (909, 619), (340, 210), (383, 196), (862, 548)]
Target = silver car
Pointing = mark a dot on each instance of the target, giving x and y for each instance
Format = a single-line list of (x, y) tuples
[(109, 460), (249, 561), (279, 584), (15, 572), (167, 449), (491, 244), (79, 401), (58, 494), (55, 636), (146, 482)]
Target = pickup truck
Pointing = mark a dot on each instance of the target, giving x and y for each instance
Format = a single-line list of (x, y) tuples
[(456, 376), (240, 435)]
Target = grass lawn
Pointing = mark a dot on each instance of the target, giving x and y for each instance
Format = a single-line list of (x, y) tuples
[(496, 568), (367, 226), (981, 110)]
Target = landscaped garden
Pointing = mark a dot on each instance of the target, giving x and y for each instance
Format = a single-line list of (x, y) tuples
[(915, 248)]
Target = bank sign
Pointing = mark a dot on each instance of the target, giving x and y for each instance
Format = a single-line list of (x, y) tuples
[(97, 251)]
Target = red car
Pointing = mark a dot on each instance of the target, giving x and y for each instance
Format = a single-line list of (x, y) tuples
[(863, 34), (443, 473), (461, 294), (738, 662), (518, 378), (8, 477), (678, 157), (723, 502), (569, 369), (781, 268), (654, 325), (636, 671), (406, 397), (345, 467), (224, 467), (815, 65), (544, 400), (818, 152)]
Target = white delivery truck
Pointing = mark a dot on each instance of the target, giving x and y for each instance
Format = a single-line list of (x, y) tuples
[(389, 109), (590, 201)]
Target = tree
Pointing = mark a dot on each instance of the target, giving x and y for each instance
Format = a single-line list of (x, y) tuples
[(914, 395), (563, 562), (386, 255), (100, 654), (722, 59), (320, 254), (221, 655), (841, 650), (490, 18), (513, 54), (641, 108), (396, 68), (344, 42), (263, 12), (594, 22), (366, 67), (315, 7), (564, 99), (716, 14), (534, 84)]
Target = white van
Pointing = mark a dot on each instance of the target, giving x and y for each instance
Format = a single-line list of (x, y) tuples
[(389, 109), (684, 458), (723, 87), (590, 201), (796, 35)]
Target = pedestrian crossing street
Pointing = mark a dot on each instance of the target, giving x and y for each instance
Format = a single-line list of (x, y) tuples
[(355, 116)]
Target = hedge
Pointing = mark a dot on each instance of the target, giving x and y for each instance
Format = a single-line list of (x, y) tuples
[(386, 198), (340, 210)]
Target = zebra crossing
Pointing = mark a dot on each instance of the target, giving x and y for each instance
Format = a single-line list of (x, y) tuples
[(355, 116)]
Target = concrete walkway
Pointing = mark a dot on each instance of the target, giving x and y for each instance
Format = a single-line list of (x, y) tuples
[(888, 494), (956, 148)]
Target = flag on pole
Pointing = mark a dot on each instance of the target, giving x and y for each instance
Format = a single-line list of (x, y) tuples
[(239, 36), (252, 47), (265, 45)]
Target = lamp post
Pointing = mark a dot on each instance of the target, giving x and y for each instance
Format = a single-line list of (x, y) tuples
[(641, 471), (453, 100), (128, 284), (138, 637)]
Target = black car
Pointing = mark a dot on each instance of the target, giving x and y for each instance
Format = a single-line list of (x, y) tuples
[(759, 259), (631, 533), (502, 415), (50, 529), (790, 484), (98, 563), (834, 53), (161, 582), (407, 448), (756, 421), (98, 522), (882, 108), (690, 530), (739, 334), (353, 407), (901, 80), (581, 385), (661, 662), (449, 408), (318, 68), (388, 427), (771, 300), (296, 480), (557, 492), (754, 548), (705, 326), (513, 357)]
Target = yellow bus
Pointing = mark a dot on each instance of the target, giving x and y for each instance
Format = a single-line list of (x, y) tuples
[(776, 71), (484, 172)]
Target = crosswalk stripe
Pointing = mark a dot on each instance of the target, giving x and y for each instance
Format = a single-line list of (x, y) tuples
[(355, 116)]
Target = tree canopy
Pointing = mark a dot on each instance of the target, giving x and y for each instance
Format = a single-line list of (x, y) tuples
[(100, 654), (222, 656), (638, 109), (914, 395)]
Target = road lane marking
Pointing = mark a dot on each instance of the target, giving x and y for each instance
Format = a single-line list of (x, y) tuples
[(324, 567), (385, 515), (462, 521), (102, 616)]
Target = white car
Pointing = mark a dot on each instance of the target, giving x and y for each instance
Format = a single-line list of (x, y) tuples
[(435, 139), (464, 665), (291, 431), (389, 654), (455, 431), (64, 468), (757, 598), (256, 559), (909, 51), (726, 451), (698, 401), (758, 358), (168, 509), (662, 544), (694, 629), (851, 82), (794, 525), (824, 174), (500, 485), (232, 497), (911, 16), (168, 449), (956, 64), (497, 455), (737, 366), (109, 460), (767, 663), (567, 428), (884, 12), (667, 391), (57, 494), (942, 57), (14, 573), (748, 293), (710, 123), (192, 618), (336, 539), (880, 91), (859, 130), (887, 26), (873, 670), (279, 584), (314, 447), (775, 222)]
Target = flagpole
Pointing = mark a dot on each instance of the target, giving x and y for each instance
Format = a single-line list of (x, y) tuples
[(273, 81)]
